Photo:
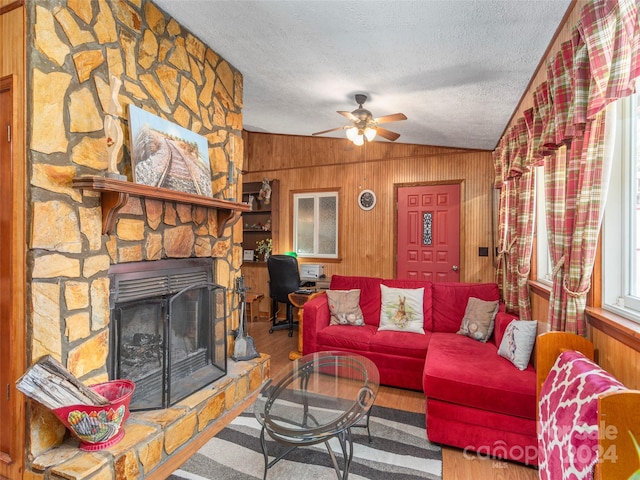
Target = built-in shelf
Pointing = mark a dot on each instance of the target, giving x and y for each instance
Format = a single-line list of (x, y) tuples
[(263, 214), (115, 194)]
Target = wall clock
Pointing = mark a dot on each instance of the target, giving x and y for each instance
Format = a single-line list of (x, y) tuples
[(367, 199)]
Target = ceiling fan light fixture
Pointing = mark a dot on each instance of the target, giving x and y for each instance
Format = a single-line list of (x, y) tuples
[(370, 133), (364, 127), (352, 133)]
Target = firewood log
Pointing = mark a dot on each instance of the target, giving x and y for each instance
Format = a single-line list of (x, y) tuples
[(48, 382)]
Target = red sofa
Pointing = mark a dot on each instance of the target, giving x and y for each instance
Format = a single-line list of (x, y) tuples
[(476, 400)]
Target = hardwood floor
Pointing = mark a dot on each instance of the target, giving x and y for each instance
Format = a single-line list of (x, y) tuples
[(456, 466)]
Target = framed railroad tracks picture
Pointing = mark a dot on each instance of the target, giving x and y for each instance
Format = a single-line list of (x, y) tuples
[(167, 155)]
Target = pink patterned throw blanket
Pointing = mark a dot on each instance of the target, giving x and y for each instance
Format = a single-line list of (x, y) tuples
[(568, 420)]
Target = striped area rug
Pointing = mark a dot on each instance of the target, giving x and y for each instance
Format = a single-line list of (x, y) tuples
[(399, 450)]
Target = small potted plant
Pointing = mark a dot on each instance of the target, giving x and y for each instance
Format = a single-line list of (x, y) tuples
[(264, 247)]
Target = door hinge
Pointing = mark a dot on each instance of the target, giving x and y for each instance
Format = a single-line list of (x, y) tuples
[(8, 392), (8, 133)]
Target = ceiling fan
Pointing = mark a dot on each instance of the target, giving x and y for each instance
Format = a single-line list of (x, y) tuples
[(364, 126)]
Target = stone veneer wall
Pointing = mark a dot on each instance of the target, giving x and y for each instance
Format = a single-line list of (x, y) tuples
[(73, 47)]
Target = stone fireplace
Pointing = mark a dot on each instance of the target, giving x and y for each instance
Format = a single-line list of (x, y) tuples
[(77, 236), (168, 330)]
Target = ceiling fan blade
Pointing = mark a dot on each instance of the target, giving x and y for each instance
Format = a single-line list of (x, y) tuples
[(396, 117), (388, 134), (349, 115), (330, 130)]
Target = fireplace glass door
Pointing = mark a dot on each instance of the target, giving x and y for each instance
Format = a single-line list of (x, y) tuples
[(168, 331), (193, 352), (139, 327)]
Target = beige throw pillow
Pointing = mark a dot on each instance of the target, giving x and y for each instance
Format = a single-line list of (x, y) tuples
[(478, 319), (344, 306)]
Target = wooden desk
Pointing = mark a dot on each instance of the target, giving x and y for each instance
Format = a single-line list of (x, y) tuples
[(317, 283), (298, 300)]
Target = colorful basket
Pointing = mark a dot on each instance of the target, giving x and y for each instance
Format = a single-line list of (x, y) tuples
[(96, 426)]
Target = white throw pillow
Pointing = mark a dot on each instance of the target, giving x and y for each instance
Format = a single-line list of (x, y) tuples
[(401, 309), (517, 343)]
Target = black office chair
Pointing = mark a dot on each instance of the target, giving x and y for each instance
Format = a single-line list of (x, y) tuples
[(284, 278)]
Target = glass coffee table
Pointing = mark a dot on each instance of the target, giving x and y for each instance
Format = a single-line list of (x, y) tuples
[(316, 398)]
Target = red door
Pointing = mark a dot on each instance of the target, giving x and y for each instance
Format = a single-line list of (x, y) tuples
[(428, 240)]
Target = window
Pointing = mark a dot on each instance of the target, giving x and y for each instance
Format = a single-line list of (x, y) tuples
[(621, 227), (544, 267), (315, 224)]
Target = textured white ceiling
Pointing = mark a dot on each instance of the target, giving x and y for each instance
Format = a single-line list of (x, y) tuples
[(456, 68)]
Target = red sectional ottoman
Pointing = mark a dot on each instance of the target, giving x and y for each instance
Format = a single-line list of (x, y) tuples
[(477, 400)]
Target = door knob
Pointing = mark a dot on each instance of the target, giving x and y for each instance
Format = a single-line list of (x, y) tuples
[(455, 268)]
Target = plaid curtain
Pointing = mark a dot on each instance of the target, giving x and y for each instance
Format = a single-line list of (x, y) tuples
[(513, 160), (503, 220), (526, 195), (498, 183), (506, 269), (604, 67), (587, 186), (555, 188), (510, 286), (560, 70), (566, 130), (524, 192), (610, 32), (547, 143)]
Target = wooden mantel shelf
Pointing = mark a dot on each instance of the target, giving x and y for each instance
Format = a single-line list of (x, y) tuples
[(115, 194)]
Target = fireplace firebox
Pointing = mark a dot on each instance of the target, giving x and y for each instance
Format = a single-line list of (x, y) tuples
[(168, 329)]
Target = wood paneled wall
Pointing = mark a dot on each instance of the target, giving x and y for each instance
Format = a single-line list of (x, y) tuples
[(12, 68), (616, 357), (539, 307), (367, 238)]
